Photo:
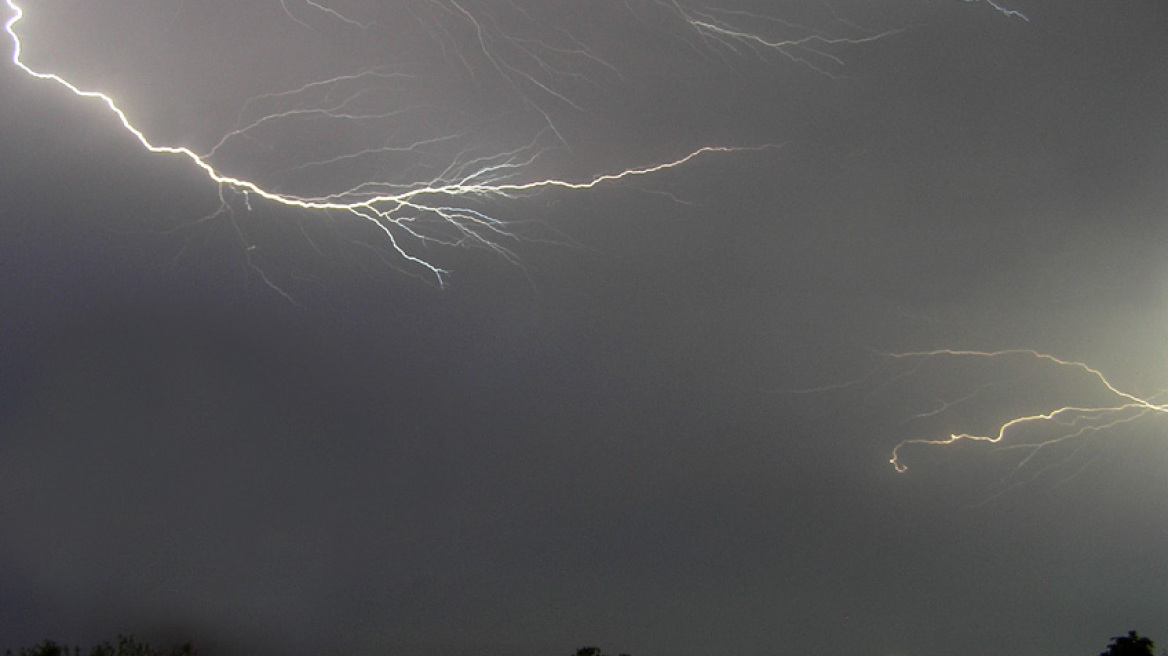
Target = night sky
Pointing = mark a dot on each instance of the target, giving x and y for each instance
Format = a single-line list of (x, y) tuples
[(264, 430)]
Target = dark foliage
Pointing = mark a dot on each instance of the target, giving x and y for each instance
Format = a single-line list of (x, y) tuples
[(591, 651), (125, 647), (1129, 645)]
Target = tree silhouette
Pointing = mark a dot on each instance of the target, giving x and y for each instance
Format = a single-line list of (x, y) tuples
[(591, 651), (1129, 645), (46, 648), (125, 647)]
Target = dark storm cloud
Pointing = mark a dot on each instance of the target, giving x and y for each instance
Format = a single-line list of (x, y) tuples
[(590, 449)]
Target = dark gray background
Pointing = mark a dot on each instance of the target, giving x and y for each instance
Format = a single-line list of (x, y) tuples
[(596, 448)]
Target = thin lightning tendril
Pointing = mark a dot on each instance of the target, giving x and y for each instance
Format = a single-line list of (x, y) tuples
[(1004, 11), (708, 24)]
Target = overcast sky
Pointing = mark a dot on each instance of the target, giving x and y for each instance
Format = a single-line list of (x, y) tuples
[(265, 430)]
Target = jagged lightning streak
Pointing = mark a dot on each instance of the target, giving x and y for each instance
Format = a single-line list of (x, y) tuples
[(1054, 425)]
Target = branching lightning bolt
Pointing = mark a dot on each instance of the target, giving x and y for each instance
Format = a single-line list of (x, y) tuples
[(440, 195), (386, 205), (1068, 422)]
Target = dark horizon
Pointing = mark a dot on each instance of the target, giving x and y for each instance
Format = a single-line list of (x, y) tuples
[(265, 430)]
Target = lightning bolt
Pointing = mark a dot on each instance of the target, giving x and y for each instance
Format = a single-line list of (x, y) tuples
[(438, 195), (395, 208), (1057, 424)]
